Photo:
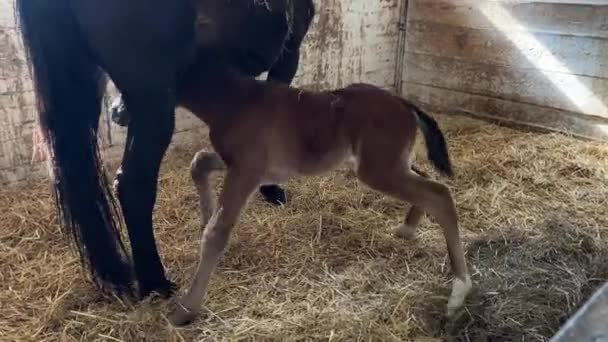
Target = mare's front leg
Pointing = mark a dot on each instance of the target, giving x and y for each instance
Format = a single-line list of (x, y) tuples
[(148, 137), (238, 186)]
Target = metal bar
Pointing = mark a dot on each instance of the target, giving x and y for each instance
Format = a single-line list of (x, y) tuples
[(589, 323)]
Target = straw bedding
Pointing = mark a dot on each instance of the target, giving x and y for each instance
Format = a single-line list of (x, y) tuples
[(534, 221)]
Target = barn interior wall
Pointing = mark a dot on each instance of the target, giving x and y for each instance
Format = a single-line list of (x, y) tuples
[(539, 63), (350, 40)]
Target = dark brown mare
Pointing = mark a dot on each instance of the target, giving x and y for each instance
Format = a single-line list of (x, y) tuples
[(144, 46), (282, 70)]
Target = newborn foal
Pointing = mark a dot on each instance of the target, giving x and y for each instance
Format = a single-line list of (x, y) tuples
[(264, 133)]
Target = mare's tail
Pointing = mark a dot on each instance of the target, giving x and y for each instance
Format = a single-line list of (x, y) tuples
[(68, 86)]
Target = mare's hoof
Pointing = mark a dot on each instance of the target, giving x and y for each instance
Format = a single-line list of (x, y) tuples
[(404, 231), (165, 289), (181, 315), (273, 194)]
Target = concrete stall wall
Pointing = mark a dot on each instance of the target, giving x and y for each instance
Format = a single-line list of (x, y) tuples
[(350, 40), (539, 63)]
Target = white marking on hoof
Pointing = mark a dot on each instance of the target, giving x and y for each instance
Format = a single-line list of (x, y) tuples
[(115, 186), (116, 181), (460, 290), (405, 232)]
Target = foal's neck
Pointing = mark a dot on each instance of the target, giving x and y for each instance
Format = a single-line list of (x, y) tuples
[(215, 92)]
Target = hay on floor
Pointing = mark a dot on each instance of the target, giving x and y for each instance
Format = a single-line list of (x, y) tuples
[(533, 217)]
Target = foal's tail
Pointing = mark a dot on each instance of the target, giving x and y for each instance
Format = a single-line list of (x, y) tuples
[(436, 146)]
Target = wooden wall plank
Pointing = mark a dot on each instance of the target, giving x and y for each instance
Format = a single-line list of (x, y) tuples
[(541, 63), (456, 102), (547, 89), (558, 53), (546, 17), (350, 41), (22, 173), (7, 14), (17, 111)]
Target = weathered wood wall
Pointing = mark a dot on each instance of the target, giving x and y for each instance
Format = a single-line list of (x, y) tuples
[(351, 40), (540, 63)]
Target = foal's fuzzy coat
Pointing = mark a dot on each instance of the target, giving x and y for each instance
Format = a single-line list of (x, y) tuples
[(265, 133)]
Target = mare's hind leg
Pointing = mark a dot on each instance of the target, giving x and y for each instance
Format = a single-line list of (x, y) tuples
[(408, 228), (283, 71), (156, 39), (435, 199), (273, 194), (239, 184), (148, 137)]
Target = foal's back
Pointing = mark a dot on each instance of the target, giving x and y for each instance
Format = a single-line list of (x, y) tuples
[(311, 132)]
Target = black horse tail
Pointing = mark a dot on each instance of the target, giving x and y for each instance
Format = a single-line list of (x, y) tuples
[(69, 86), (436, 146)]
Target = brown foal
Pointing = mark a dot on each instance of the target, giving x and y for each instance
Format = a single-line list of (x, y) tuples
[(264, 133)]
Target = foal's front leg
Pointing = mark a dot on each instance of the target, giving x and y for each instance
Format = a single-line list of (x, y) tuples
[(201, 167), (238, 186)]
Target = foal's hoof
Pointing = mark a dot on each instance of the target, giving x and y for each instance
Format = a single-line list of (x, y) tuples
[(405, 232), (460, 290), (273, 194), (181, 315)]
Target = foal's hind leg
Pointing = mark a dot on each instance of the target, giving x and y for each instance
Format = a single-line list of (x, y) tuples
[(435, 199), (408, 228), (238, 186)]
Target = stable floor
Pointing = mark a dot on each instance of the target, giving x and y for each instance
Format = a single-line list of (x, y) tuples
[(533, 218)]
